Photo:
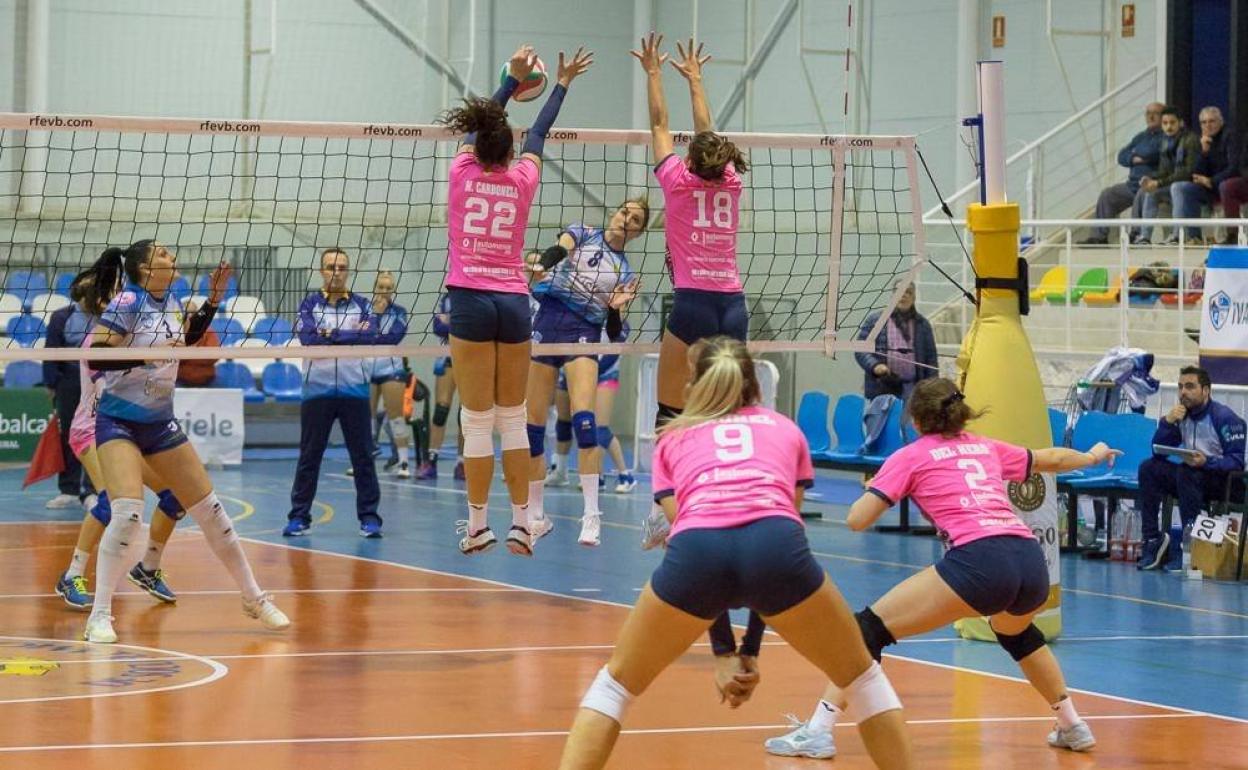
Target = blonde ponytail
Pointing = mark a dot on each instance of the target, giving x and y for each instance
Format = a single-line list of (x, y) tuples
[(723, 383)]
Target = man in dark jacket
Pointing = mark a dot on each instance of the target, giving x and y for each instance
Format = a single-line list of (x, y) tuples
[(67, 328), (1218, 161), (1234, 191), (1214, 438), (1179, 150), (1140, 157), (905, 351)]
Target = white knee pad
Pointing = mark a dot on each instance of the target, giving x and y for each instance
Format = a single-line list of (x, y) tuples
[(870, 694), (512, 424), (398, 426), (212, 519), (478, 430), (124, 528), (607, 696)]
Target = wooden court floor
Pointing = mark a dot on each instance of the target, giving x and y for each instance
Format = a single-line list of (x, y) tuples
[(389, 666)]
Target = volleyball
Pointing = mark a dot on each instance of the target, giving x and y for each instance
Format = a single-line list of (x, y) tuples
[(532, 86)]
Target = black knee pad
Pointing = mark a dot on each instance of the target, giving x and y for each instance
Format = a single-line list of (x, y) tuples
[(1021, 645), (874, 632), (666, 414), (440, 413)]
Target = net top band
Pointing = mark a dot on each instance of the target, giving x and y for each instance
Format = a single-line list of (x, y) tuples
[(23, 121)]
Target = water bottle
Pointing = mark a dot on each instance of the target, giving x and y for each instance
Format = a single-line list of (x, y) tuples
[(1135, 534), (1118, 535)]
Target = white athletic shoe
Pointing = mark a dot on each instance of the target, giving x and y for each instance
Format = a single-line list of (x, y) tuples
[(474, 543), (264, 610), (625, 484), (591, 529), (540, 528), (519, 541), (62, 501), (1078, 738), (802, 742), (401, 471), (100, 629), (557, 478)]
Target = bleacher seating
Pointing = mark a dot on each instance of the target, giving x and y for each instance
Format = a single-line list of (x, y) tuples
[(25, 329), (256, 365), (230, 331), (180, 288), (812, 418), (25, 284), (63, 283), (204, 283), (23, 374), (273, 330), (43, 305), (232, 374), (283, 381), (1052, 284)]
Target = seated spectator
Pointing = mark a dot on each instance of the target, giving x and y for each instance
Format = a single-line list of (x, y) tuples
[(1217, 161), (905, 351), (1179, 150), (199, 372), (1140, 157), (1216, 434), (1234, 191)]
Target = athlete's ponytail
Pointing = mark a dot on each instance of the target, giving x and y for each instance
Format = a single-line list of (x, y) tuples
[(723, 382)]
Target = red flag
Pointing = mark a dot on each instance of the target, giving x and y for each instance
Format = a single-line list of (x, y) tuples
[(48, 460)]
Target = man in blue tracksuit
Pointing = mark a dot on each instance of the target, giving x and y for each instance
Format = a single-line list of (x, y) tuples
[(335, 389), (1197, 423)]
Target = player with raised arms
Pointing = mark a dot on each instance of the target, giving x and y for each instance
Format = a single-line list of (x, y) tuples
[(994, 566), (487, 211), (730, 475), (135, 425), (584, 282)]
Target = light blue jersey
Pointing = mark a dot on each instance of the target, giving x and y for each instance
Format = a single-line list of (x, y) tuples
[(586, 279), (349, 321), (391, 329), (144, 393)]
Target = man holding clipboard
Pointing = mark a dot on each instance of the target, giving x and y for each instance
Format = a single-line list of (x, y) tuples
[(1196, 445)]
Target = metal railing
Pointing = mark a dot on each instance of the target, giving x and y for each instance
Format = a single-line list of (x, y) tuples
[(1063, 319)]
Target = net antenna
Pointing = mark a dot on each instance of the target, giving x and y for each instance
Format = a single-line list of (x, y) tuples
[(830, 226)]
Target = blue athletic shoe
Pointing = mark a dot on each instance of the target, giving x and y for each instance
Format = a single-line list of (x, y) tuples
[(802, 742), (153, 582), (74, 592), (370, 529), (296, 528)]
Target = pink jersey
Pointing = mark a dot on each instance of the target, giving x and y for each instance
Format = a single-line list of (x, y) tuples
[(82, 428), (959, 483), (734, 470), (701, 226), (487, 213)]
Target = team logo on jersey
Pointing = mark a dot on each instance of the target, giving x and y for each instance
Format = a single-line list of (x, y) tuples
[(1028, 495)]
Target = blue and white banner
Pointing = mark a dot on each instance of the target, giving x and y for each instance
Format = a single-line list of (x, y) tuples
[(1224, 316)]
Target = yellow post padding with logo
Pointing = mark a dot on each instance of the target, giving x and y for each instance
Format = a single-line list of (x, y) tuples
[(998, 374)]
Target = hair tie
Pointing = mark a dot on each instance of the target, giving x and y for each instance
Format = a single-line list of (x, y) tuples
[(950, 399)]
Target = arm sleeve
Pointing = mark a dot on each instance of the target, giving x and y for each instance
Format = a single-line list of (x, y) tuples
[(752, 642), (200, 322), (536, 139), (1231, 435), (305, 325), (723, 640)]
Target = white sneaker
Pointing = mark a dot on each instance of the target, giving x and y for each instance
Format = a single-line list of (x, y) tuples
[(591, 529), (62, 501), (540, 528), (519, 541), (350, 471), (802, 742), (401, 471), (100, 629), (264, 610), (1078, 738), (470, 543), (625, 484), (557, 478), (654, 529)]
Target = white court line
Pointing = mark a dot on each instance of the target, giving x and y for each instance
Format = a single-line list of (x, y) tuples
[(1120, 698), (218, 670), (234, 592), (528, 734)]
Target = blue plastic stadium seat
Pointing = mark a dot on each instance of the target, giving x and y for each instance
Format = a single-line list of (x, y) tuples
[(847, 424), (229, 330), (25, 284), (812, 418), (25, 329), (231, 374), (1057, 426), (23, 374), (1131, 433), (180, 288), (1091, 428), (283, 381), (203, 285), (62, 283), (273, 330)]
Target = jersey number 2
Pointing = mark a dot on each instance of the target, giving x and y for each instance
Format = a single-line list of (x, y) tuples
[(975, 474)]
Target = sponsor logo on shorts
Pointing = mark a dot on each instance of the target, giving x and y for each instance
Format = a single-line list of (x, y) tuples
[(1028, 495)]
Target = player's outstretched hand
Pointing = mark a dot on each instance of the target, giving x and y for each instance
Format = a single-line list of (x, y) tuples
[(582, 60)]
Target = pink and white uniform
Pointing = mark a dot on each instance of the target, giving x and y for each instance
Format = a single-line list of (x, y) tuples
[(701, 226), (487, 213), (959, 483), (734, 470), (82, 428)]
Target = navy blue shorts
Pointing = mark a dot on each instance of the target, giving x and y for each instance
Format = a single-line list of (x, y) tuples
[(489, 316), (698, 314), (150, 437), (764, 565), (556, 323), (998, 574)]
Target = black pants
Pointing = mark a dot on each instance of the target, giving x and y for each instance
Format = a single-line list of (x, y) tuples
[(1192, 486), (71, 481), (316, 417)]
